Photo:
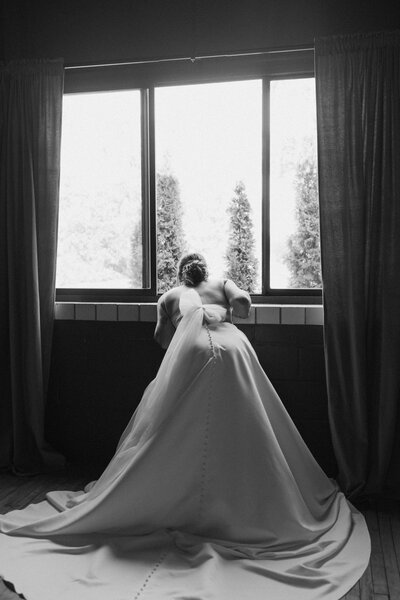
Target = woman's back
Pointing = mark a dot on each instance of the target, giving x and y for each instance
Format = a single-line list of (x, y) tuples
[(211, 292), (193, 275)]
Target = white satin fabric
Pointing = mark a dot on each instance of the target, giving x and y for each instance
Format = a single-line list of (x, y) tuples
[(211, 495)]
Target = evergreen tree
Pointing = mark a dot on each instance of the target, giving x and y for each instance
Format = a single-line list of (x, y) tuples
[(303, 256), (170, 235), (136, 262), (240, 258)]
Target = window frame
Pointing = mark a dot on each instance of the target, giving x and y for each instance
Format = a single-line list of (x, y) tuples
[(147, 77)]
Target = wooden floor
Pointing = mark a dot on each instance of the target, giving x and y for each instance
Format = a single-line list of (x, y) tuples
[(381, 581)]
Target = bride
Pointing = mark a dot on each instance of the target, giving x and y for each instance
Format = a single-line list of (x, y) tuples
[(211, 494)]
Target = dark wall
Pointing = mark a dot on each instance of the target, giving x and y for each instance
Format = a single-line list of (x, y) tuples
[(104, 30), (100, 370)]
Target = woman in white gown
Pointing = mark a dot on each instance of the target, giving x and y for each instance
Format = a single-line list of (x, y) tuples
[(211, 494)]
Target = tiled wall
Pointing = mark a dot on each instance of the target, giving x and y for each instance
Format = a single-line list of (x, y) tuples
[(260, 314), (104, 356)]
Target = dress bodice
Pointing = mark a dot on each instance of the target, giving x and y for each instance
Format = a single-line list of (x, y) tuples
[(191, 301)]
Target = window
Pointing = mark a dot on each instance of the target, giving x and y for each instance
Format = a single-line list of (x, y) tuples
[(226, 168), (293, 186), (208, 167), (100, 190)]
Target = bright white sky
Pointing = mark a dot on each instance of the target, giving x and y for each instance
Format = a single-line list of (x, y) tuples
[(209, 137)]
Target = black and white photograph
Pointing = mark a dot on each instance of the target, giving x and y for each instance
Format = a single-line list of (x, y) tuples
[(199, 300)]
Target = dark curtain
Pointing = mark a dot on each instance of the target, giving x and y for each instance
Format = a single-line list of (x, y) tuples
[(30, 133), (358, 115)]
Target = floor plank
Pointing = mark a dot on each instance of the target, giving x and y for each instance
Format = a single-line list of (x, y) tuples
[(389, 553), (6, 593), (366, 589), (17, 492), (354, 593), (379, 582), (395, 526), (8, 484)]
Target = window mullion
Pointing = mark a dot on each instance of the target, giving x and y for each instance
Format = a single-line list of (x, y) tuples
[(145, 188), (148, 195), (266, 248), (152, 263)]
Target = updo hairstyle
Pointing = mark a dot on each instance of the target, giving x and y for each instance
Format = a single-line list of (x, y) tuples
[(192, 269)]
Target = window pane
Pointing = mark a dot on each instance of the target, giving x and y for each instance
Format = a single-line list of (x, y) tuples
[(208, 164), (294, 217), (99, 241)]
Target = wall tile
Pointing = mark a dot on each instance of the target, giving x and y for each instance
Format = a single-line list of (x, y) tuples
[(304, 400), (278, 361), (65, 311), (314, 315), (85, 312), (293, 315), (299, 335), (107, 312), (268, 315), (272, 333), (260, 314), (250, 319), (148, 312), (312, 363), (248, 330), (128, 312), (317, 436)]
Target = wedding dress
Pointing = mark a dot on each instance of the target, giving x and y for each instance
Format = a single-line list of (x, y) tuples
[(211, 495)]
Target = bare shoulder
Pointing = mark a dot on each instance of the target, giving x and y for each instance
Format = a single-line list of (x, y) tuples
[(212, 291), (234, 290), (215, 284)]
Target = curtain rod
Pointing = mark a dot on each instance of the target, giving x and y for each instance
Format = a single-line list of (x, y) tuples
[(146, 61)]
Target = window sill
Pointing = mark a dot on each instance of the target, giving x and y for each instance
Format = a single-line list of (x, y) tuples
[(277, 314)]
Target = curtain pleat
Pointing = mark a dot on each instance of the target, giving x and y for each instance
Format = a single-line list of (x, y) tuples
[(30, 135), (358, 116)]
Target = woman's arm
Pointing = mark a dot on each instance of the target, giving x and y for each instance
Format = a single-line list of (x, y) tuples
[(165, 330), (238, 299)]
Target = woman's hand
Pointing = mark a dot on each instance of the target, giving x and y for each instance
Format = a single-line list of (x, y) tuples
[(238, 299)]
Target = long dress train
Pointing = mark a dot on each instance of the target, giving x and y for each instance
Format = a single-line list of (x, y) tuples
[(211, 494)]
